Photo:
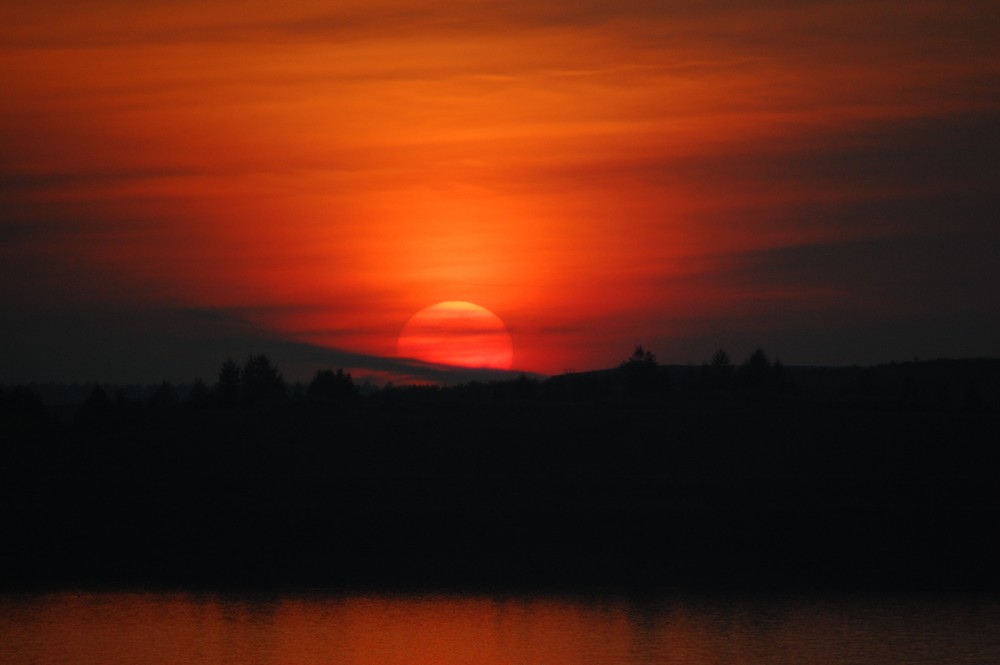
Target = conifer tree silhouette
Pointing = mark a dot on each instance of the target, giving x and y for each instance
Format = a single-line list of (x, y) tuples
[(333, 386), (227, 388), (261, 381)]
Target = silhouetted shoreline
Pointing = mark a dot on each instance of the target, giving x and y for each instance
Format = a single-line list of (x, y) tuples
[(846, 479)]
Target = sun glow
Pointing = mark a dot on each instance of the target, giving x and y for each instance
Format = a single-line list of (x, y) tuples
[(458, 333)]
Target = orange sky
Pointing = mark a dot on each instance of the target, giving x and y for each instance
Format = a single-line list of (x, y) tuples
[(818, 178)]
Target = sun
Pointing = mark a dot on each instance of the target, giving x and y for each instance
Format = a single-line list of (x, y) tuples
[(457, 333)]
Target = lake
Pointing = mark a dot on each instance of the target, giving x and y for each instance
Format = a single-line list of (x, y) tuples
[(154, 628)]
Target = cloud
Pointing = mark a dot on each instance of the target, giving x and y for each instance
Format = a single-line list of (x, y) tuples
[(859, 301), (146, 344), (585, 169)]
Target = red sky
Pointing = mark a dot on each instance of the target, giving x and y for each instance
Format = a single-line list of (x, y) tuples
[(184, 181)]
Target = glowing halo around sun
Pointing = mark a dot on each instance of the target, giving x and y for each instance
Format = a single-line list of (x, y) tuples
[(457, 333)]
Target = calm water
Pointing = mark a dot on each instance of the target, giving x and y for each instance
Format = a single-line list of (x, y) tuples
[(157, 628)]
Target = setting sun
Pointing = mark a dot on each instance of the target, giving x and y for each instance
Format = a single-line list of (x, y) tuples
[(457, 333), (186, 181)]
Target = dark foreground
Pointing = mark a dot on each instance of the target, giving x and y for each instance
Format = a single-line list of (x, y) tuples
[(775, 493)]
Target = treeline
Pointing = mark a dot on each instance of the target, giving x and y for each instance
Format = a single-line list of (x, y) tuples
[(644, 476), (640, 379), (258, 384), (944, 384)]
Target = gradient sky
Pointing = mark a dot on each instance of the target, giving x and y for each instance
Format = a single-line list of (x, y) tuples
[(186, 181)]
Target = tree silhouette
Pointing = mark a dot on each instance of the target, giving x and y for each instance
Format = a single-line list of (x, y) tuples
[(199, 396), (779, 381), (720, 371), (755, 372), (227, 388), (332, 386), (641, 373), (261, 381), (641, 356)]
